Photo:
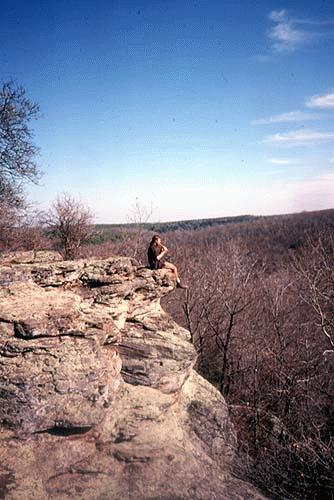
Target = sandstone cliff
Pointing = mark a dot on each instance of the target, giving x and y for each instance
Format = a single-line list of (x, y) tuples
[(98, 396)]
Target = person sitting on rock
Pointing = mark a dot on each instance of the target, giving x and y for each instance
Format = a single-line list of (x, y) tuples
[(156, 253)]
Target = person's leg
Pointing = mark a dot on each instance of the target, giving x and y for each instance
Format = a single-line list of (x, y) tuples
[(169, 265)]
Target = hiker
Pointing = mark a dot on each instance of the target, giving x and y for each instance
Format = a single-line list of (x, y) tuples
[(156, 253)]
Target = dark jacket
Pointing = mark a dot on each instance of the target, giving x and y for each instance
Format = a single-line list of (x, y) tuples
[(152, 254)]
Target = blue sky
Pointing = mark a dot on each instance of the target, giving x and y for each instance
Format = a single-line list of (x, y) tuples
[(194, 108)]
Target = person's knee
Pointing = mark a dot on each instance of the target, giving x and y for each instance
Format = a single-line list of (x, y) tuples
[(171, 266)]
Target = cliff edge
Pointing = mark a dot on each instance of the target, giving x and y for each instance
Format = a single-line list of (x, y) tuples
[(98, 396)]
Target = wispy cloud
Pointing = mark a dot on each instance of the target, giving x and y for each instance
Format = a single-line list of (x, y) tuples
[(299, 137), (283, 161), (290, 116), (284, 34), (288, 34), (325, 101), (278, 15)]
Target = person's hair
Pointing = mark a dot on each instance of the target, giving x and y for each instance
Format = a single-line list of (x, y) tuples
[(155, 238)]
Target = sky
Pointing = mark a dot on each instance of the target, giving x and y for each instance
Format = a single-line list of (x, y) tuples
[(191, 109)]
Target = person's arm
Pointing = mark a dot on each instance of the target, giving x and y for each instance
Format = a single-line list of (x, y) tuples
[(163, 253)]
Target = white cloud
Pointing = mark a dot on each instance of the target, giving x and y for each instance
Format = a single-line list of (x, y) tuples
[(325, 101), (290, 34), (300, 137), (278, 15), (290, 116), (286, 37), (283, 161), (331, 160)]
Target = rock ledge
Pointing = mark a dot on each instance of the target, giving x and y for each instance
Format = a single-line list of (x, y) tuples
[(98, 396)]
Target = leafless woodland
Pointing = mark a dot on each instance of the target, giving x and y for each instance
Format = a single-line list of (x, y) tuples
[(260, 312)]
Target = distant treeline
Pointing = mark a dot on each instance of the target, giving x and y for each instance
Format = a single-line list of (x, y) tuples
[(113, 231)]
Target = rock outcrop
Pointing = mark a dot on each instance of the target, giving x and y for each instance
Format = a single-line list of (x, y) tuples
[(98, 396)]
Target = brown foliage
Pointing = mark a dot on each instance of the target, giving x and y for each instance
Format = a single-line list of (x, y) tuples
[(19, 230)]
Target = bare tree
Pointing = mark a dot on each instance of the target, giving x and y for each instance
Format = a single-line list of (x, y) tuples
[(70, 222), (212, 311), (17, 163), (316, 268), (138, 218), (17, 149)]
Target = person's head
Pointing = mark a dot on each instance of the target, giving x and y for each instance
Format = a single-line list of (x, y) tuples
[(156, 240)]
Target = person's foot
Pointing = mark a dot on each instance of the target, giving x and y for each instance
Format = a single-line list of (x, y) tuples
[(180, 285)]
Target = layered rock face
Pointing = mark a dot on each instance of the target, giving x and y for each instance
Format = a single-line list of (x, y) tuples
[(98, 396)]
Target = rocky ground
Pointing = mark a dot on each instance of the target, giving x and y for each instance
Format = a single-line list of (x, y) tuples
[(98, 396)]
